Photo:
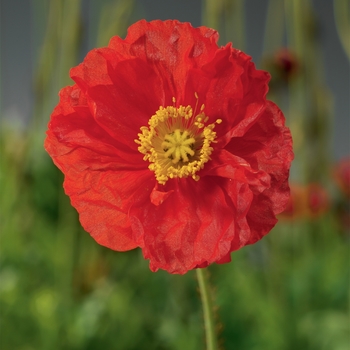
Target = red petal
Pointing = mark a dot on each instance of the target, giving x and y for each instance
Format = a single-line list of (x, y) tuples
[(231, 89), (97, 171), (103, 199), (123, 94), (171, 48), (158, 197), (227, 165), (267, 146), (194, 225), (74, 133)]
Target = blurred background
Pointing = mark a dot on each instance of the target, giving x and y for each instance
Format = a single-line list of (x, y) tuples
[(60, 290)]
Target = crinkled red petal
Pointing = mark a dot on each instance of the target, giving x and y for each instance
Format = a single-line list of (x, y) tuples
[(102, 200), (231, 89), (267, 147), (101, 175), (193, 225), (122, 94), (171, 48), (230, 166), (75, 129)]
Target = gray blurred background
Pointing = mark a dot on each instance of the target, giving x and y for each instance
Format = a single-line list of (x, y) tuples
[(23, 30)]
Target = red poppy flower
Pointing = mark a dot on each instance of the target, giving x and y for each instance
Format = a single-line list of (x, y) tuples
[(286, 63), (317, 200), (297, 205), (167, 143), (306, 201), (342, 175)]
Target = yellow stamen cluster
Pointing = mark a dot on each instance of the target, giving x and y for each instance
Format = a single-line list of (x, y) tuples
[(177, 143)]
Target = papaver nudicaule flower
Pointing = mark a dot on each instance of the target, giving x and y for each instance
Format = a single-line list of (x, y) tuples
[(167, 143)]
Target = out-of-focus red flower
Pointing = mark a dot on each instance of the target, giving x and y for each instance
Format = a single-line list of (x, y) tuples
[(286, 63), (167, 143), (317, 200), (306, 201), (342, 175), (296, 207)]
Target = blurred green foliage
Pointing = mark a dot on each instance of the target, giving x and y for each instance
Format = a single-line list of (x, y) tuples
[(61, 290)]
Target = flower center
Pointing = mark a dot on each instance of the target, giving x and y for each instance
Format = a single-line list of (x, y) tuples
[(178, 146), (177, 142)]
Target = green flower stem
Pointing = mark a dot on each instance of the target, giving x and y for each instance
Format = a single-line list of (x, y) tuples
[(342, 22), (208, 311)]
